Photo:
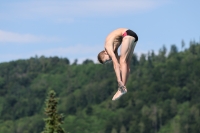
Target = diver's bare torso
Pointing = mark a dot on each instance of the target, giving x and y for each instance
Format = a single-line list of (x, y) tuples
[(114, 39)]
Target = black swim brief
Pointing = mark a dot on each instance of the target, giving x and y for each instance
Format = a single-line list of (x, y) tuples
[(131, 33)]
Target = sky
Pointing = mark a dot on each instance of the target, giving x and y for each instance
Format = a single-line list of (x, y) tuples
[(77, 29)]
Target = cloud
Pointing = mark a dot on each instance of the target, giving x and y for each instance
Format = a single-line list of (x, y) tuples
[(64, 20), (75, 51), (10, 57), (92, 7), (80, 52), (6, 36), (66, 9)]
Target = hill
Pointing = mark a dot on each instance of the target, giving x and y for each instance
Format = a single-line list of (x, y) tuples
[(163, 94)]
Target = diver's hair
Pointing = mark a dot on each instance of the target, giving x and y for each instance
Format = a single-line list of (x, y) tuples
[(101, 56)]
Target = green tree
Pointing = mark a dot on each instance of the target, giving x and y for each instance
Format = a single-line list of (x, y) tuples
[(114, 130), (54, 120), (174, 50), (123, 129), (88, 61)]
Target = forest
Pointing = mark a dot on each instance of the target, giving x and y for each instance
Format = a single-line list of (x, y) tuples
[(163, 94)]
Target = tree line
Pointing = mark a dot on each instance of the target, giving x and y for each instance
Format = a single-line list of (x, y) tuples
[(163, 94)]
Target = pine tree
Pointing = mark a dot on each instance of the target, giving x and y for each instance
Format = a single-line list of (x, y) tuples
[(54, 120), (114, 130)]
